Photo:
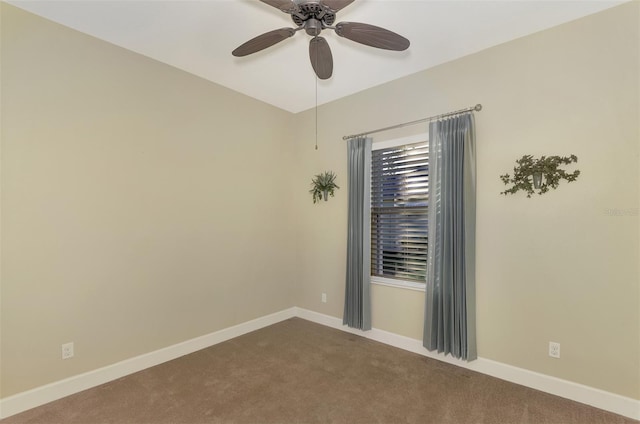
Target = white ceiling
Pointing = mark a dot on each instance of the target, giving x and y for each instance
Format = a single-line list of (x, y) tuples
[(198, 37)]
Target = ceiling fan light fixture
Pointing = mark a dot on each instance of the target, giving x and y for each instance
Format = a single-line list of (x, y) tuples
[(313, 27)]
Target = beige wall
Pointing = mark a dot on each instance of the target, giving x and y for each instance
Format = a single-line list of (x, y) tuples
[(141, 207), (551, 268), (119, 174)]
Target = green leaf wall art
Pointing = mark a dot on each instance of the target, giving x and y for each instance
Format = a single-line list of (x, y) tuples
[(323, 185), (533, 175)]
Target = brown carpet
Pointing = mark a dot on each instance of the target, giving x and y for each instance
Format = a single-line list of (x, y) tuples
[(300, 372)]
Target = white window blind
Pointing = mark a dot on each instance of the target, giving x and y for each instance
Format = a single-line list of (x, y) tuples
[(399, 200)]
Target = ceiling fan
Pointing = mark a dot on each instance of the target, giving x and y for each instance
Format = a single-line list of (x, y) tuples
[(313, 16)]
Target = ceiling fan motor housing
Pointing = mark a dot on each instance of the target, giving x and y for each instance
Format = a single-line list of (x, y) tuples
[(313, 10)]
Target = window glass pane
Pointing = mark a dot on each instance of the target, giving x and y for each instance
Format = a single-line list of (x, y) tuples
[(399, 201)]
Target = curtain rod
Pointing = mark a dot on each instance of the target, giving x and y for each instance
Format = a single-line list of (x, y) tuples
[(476, 108)]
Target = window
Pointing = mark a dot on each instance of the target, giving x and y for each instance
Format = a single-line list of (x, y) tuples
[(399, 201)]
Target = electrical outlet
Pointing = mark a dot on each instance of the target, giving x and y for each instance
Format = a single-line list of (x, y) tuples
[(67, 350), (554, 349), (324, 298)]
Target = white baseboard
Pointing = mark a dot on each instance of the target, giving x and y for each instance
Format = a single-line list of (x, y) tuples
[(588, 395), (580, 393), (44, 394)]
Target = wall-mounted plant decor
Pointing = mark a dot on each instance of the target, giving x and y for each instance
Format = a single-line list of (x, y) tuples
[(323, 185), (539, 175)]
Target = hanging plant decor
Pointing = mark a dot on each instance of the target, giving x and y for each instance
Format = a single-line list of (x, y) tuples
[(539, 175), (323, 185)]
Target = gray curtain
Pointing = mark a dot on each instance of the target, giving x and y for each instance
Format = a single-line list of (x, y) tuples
[(450, 325), (357, 302)]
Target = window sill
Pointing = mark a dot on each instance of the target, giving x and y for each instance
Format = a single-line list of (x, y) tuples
[(401, 284)]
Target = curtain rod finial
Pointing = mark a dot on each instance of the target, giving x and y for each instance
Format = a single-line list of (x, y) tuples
[(478, 107)]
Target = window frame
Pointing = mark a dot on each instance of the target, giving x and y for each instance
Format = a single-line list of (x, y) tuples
[(393, 282)]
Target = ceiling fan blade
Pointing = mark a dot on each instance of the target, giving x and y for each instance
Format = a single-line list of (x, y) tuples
[(372, 36), (286, 6), (321, 58), (336, 5), (263, 41)]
